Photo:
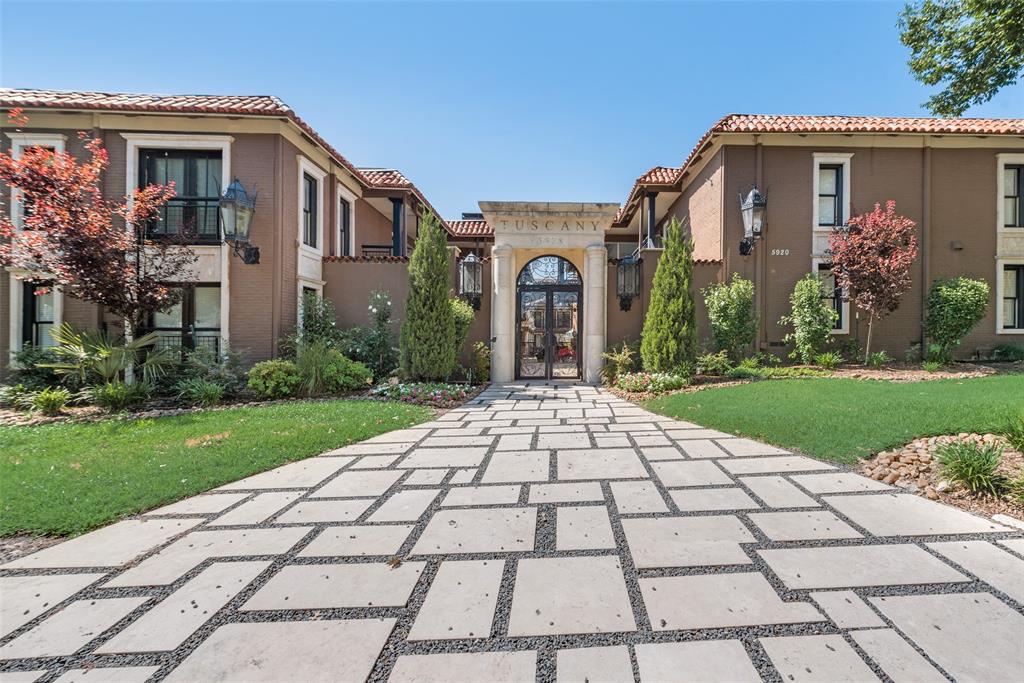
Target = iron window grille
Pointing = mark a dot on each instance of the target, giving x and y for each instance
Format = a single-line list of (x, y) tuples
[(193, 213)]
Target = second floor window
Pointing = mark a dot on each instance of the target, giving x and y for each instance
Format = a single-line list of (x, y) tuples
[(345, 228), (309, 210), (193, 213), (1013, 197), (830, 195)]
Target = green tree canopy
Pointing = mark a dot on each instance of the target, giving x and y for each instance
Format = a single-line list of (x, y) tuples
[(427, 342), (973, 47), (669, 339)]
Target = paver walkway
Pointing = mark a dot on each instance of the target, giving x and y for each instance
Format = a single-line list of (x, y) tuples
[(544, 533)]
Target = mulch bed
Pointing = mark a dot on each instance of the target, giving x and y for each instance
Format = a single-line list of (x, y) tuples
[(914, 468)]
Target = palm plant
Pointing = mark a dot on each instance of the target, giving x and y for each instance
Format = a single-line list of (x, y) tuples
[(93, 356)]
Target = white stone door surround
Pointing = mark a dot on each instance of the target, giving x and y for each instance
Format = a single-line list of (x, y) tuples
[(525, 230)]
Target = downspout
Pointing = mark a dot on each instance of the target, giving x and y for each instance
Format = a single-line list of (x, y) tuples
[(761, 259), (926, 218), (278, 258)]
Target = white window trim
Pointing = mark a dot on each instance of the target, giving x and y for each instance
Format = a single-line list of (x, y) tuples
[(305, 283), (347, 195), (845, 329), (20, 141), (999, 295), (1002, 161), (135, 141), (307, 166), (838, 159), (14, 318)]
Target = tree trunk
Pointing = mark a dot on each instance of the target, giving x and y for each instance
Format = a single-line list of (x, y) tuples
[(867, 346), (129, 337)]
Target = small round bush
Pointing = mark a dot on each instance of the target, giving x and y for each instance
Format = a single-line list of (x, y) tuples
[(51, 401), (829, 360), (341, 374), (274, 379), (716, 364), (955, 306), (200, 391), (972, 465)]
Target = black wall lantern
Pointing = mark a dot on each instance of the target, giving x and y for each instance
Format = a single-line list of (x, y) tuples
[(236, 210), (753, 208), (471, 280), (627, 281)]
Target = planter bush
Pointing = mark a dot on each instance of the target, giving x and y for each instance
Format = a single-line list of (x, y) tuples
[(275, 379), (955, 306), (342, 374), (619, 360), (731, 315), (116, 396), (51, 401), (812, 318), (669, 339), (715, 364), (199, 391), (427, 342)]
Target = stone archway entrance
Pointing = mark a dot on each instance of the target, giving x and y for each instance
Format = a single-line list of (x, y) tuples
[(549, 293), (548, 234)]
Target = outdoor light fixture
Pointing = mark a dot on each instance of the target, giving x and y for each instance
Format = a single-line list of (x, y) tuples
[(471, 280), (627, 281), (753, 208), (236, 210)]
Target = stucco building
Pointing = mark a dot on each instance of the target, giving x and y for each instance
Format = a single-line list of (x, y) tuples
[(549, 305)]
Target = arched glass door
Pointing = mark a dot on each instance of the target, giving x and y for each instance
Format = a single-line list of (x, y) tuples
[(549, 295)]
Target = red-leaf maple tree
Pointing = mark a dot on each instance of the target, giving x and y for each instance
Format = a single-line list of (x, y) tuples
[(871, 258), (93, 248)]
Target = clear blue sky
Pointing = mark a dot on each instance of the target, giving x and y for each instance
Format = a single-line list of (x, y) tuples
[(481, 100)]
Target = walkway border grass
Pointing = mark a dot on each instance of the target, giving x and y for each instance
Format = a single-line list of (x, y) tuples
[(842, 420), (68, 478)]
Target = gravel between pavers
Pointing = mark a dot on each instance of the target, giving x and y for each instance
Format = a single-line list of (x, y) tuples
[(544, 547)]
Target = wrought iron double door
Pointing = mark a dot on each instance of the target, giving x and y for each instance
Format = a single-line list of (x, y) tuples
[(548, 335)]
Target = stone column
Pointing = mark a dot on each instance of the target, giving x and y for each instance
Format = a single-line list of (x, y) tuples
[(503, 298), (595, 300)]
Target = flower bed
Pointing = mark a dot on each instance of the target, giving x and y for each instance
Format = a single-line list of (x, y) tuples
[(434, 394)]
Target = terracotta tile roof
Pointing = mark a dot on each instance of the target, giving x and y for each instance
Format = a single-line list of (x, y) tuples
[(393, 179), (784, 123), (471, 228), (658, 175), (365, 259), (237, 105)]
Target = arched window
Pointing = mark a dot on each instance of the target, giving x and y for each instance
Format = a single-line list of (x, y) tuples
[(549, 270)]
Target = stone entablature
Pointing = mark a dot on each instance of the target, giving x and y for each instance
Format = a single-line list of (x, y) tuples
[(525, 230)]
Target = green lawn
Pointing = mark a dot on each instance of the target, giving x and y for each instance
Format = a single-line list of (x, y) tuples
[(845, 419), (69, 478)]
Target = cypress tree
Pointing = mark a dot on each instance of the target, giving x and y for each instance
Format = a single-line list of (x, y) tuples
[(669, 339), (427, 342)]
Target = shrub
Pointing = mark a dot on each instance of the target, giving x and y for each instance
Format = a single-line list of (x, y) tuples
[(312, 359), (812, 318), (17, 396), (462, 314), (275, 379), (752, 371), (1015, 488), (972, 465), (31, 366), (1009, 352), (955, 306), (200, 391), (481, 362), (714, 363), (878, 359), (342, 374), (381, 354), (226, 369), (731, 315), (669, 339), (427, 341), (931, 366), (829, 360), (51, 401), (93, 357), (620, 359), (116, 395), (1013, 432), (651, 382)]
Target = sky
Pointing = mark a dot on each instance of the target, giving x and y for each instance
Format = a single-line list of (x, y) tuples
[(474, 101)]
